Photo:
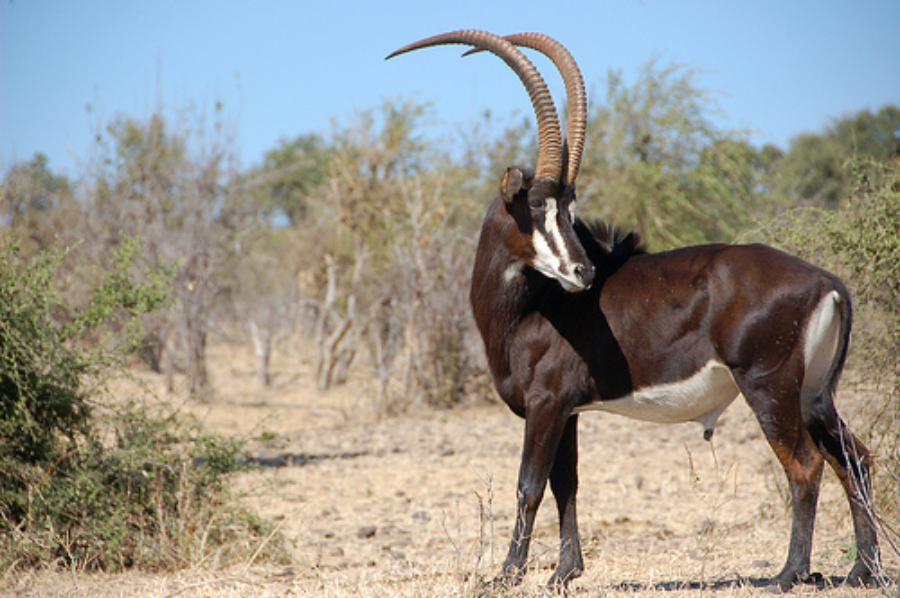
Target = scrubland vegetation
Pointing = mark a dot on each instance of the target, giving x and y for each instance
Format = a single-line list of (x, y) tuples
[(350, 251)]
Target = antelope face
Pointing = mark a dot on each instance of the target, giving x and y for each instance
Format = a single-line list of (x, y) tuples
[(543, 211)]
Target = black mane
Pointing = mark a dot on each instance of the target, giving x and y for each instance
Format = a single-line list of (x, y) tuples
[(607, 245)]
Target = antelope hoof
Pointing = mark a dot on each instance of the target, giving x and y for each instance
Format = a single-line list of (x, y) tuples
[(565, 572), (783, 583), (861, 576), (561, 578), (788, 579)]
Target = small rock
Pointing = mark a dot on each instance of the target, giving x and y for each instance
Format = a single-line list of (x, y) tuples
[(367, 531), (394, 554)]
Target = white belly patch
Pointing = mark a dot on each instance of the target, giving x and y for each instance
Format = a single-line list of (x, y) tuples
[(701, 398)]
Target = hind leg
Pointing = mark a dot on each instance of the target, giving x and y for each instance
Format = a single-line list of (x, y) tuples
[(851, 461), (775, 401), (803, 465)]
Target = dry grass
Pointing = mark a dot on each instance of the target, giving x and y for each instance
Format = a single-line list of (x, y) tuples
[(423, 505)]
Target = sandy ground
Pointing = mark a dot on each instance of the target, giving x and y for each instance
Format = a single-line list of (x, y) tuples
[(423, 504)]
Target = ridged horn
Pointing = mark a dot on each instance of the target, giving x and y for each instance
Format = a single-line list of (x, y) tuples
[(549, 162), (575, 92)]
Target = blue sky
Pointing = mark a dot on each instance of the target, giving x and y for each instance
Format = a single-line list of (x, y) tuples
[(285, 68)]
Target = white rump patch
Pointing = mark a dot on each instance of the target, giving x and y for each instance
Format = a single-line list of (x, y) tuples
[(820, 345), (702, 398)]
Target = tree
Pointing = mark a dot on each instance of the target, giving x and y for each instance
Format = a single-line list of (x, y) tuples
[(490, 146), (263, 293), (814, 171), (354, 219), (36, 202), (655, 162), (290, 177), (876, 136), (172, 186)]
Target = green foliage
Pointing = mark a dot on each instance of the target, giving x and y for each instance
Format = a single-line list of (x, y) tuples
[(155, 499), (866, 236), (290, 176), (874, 135), (655, 162), (32, 187), (814, 170), (119, 489), (42, 370), (37, 203)]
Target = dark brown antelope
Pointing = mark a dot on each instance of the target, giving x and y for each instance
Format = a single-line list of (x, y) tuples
[(576, 318)]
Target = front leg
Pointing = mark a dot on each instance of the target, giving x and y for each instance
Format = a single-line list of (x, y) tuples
[(564, 483), (545, 422)]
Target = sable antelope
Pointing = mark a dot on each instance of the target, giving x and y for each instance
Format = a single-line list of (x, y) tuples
[(575, 317)]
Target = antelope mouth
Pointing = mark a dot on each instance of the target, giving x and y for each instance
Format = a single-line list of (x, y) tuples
[(569, 287), (573, 279), (580, 280)]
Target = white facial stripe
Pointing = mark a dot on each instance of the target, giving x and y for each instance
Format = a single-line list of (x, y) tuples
[(546, 260), (554, 233), (552, 257)]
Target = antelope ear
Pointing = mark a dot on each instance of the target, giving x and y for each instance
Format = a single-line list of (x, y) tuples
[(513, 182)]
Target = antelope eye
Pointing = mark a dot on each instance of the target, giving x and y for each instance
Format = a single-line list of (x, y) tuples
[(538, 204)]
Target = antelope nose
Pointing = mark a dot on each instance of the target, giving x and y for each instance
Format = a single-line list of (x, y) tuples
[(585, 274)]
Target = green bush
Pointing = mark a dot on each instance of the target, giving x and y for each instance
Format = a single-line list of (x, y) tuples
[(155, 500), (88, 485)]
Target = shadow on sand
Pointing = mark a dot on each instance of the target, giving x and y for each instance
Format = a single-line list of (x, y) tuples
[(816, 580)]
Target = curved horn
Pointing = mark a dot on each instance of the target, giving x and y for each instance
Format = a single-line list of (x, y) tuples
[(575, 92), (549, 163)]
